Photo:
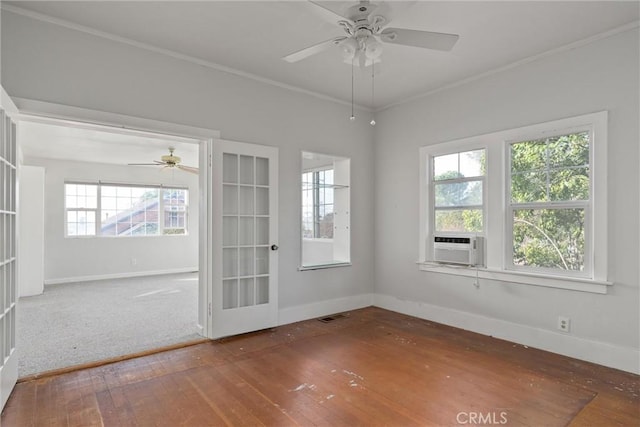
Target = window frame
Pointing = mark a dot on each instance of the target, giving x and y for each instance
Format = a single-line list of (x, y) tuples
[(340, 243), (587, 205), (77, 209), (433, 183), (98, 209), (498, 239)]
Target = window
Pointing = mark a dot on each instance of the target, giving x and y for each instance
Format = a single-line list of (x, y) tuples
[(317, 204), (325, 210), (124, 210), (175, 211), (128, 211), (549, 196), (82, 206), (457, 182), (537, 194)]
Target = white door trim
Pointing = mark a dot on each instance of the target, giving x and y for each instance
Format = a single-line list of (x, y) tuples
[(47, 112)]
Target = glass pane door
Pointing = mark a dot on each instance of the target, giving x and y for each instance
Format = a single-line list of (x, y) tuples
[(245, 254), (8, 270), (244, 296)]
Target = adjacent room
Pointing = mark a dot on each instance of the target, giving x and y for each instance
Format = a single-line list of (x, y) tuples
[(409, 212), (109, 243)]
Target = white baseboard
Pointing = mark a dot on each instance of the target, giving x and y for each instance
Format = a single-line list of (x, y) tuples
[(119, 275), (613, 356), (323, 308)]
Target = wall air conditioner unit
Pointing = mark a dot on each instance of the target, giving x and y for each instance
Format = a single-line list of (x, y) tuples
[(467, 250)]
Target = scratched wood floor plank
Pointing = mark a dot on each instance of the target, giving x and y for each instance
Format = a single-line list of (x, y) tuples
[(370, 367)]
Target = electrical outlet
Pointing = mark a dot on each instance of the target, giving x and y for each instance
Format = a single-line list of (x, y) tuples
[(564, 324), (134, 261)]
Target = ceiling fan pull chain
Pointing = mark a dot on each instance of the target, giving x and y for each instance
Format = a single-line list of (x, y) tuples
[(353, 117), (373, 105)]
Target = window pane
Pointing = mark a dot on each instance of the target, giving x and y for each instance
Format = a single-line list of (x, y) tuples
[(569, 184), (175, 214), (458, 194), (466, 164), (129, 210), (71, 190), (81, 196), (528, 156), (472, 163), (81, 223), (529, 187), (549, 238), (553, 169), (107, 190), (459, 220), (445, 167), (71, 201), (569, 150)]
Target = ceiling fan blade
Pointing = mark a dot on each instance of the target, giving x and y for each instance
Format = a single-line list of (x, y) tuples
[(423, 39), (142, 164), (333, 12), (190, 169), (312, 50)]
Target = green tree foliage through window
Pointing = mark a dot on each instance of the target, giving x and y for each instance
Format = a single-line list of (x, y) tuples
[(458, 191), (550, 191)]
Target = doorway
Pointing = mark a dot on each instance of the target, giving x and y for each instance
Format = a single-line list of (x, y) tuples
[(122, 217)]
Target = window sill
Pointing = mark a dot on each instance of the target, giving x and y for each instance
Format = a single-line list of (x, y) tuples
[(136, 236), (569, 283), (322, 266)]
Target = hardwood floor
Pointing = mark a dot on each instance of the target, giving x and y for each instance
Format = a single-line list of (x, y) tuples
[(371, 367)]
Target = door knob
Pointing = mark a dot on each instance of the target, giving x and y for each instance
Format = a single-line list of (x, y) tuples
[(274, 247)]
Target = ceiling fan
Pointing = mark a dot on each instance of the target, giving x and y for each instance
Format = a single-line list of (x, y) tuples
[(365, 32), (169, 162)]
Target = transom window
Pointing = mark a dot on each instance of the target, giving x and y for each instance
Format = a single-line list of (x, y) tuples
[(124, 210)]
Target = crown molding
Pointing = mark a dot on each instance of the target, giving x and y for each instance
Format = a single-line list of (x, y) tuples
[(229, 70), (173, 54), (564, 48)]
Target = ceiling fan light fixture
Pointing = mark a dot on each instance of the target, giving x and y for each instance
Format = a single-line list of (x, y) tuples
[(349, 48), (372, 48)]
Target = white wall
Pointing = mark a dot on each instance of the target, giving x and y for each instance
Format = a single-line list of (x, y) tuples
[(72, 259), (31, 229), (48, 63), (599, 76)]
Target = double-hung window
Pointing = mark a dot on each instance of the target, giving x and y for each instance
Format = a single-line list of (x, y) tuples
[(81, 201), (103, 209), (537, 195), (457, 183), (549, 203)]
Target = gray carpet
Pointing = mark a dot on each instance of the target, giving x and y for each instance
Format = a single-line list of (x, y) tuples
[(76, 323)]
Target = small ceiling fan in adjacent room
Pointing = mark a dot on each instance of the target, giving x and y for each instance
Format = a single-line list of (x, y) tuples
[(169, 162), (366, 34)]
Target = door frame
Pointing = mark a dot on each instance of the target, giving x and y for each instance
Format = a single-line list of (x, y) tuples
[(75, 116)]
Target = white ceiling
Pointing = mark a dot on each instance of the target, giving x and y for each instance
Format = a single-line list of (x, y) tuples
[(251, 37), (97, 144)]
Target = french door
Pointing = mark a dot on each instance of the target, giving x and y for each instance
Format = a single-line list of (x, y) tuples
[(8, 259), (244, 238)]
